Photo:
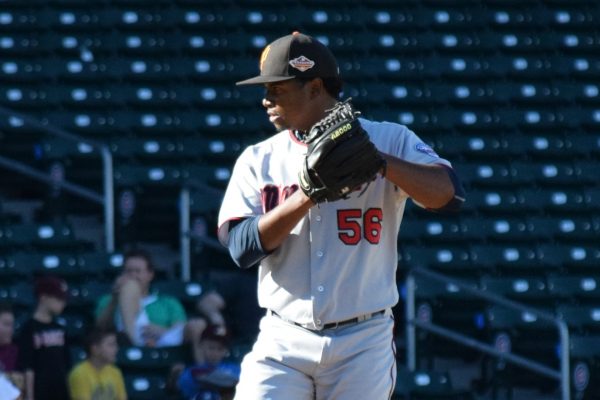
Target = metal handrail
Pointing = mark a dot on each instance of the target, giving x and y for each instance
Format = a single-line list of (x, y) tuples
[(106, 199), (185, 234), (412, 323)]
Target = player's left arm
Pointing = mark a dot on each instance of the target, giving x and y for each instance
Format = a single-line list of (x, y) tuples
[(433, 186)]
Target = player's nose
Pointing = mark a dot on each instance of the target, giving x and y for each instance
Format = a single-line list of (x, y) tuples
[(266, 103)]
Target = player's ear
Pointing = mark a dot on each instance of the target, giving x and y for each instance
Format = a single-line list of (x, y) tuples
[(316, 87)]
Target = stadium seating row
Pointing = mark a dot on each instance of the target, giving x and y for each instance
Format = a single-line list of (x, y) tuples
[(229, 69), (89, 44)]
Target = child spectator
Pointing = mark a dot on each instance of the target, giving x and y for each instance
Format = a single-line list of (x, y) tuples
[(43, 350), (97, 377), (210, 377)]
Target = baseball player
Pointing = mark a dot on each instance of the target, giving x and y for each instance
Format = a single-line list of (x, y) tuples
[(327, 268)]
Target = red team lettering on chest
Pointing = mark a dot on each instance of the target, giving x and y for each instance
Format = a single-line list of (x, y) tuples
[(273, 195), (354, 225)]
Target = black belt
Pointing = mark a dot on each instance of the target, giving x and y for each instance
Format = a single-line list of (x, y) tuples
[(334, 325)]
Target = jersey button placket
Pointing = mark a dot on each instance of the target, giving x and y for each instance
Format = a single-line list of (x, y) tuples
[(317, 260)]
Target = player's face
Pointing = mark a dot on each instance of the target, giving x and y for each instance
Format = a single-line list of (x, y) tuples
[(288, 105), (7, 327)]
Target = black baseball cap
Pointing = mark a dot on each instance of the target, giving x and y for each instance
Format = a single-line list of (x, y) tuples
[(294, 56)]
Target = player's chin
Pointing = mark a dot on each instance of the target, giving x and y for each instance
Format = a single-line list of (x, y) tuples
[(280, 126)]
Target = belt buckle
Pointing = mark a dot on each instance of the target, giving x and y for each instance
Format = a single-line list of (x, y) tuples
[(333, 325)]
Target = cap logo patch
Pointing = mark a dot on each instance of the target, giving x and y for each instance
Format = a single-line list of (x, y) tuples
[(302, 63), (423, 148), (263, 56)]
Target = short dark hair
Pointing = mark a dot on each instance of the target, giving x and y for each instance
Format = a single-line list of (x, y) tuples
[(139, 253), (333, 85), (6, 308), (95, 336)]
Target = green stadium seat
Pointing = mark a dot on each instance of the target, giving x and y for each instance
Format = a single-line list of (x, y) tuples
[(418, 120), (40, 236), (431, 229), (447, 305), (471, 146), (24, 70), (186, 292), (100, 264), (529, 290), (584, 144), (401, 18), (84, 296), (501, 228), (144, 387), (467, 120), (214, 69), (76, 325), (148, 359), (575, 288), (556, 200), (573, 228), (216, 96), (26, 98), (144, 149), (425, 384), (58, 148), (496, 201), (73, 70), (130, 175), (79, 19), (47, 262), (541, 146), (485, 174), (19, 44), (81, 95), (453, 258), (573, 257), (524, 334), (582, 319), (218, 148), (21, 295), (505, 259), (546, 173)]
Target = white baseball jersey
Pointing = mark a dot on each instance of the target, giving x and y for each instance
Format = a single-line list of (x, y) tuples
[(340, 260)]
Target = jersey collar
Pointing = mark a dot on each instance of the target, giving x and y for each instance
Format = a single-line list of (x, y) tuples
[(294, 135)]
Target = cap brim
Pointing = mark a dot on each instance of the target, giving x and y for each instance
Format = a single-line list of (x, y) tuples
[(257, 80)]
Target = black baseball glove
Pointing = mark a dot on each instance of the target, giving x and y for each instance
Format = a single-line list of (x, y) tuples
[(340, 157)]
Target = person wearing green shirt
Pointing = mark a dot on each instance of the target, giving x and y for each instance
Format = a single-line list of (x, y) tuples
[(141, 317)]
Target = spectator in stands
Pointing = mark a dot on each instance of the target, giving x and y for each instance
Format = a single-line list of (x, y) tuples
[(143, 318), (97, 377), (210, 377), (43, 350), (211, 306), (8, 349)]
